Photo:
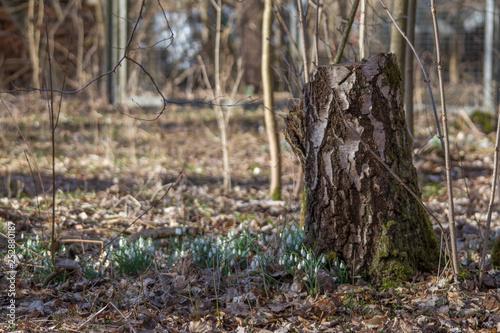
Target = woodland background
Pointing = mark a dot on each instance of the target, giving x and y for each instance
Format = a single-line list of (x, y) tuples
[(134, 144)]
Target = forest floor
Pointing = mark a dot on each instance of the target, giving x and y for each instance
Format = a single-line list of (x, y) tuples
[(219, 262)]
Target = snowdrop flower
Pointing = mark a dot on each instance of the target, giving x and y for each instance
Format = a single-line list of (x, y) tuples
[(303, 252), (323, 260), (341, 265), (291, 257), (299, 266), (297, 247), (316, 270), (335, 264), (308, 257), (239, 252), (214, 250)]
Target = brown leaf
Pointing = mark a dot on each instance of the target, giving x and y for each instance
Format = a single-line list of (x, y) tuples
[(491, 302), (376, 322), (324, 308)]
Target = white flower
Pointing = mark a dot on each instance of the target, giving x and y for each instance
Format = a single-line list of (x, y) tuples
[(299, 266), (303, 252), (308, 257), (323, 260), (342, 265)]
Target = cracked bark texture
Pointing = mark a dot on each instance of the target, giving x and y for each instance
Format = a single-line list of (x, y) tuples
[(356, 210)]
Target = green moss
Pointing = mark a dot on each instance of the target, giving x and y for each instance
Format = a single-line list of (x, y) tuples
[(433, 189), (393, 74), (399, 255), (390, 284), (495, 253), (484, 120), (276, 194), (331, 256), (464, 275)]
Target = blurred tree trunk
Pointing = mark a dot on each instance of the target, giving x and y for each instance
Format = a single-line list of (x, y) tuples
[(33, 25), (398, 43), (250, 31), (408, 82), (357, 210), (267, 87)]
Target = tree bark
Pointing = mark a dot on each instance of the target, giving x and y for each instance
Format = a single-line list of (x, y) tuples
[(356, 210)]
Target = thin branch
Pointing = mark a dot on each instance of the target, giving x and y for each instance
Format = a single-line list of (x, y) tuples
[(449, 185), (347, 31), (440, 136)]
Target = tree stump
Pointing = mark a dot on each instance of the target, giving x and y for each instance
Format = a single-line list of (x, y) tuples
[(356, 210)]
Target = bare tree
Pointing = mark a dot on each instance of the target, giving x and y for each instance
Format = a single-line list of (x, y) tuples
[(267, 88), (398, 44), (408, 82)]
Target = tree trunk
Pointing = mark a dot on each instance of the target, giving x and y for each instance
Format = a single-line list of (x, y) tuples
[(398, 43), (356, 210), (408, 77), (267, 87)]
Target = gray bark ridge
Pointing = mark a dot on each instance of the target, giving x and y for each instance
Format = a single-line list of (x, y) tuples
[(356, 210)]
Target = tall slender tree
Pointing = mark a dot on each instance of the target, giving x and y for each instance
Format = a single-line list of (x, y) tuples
[(398, 43), (267, 87)]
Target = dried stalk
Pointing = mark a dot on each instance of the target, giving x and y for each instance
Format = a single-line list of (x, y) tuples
[(444, 117)]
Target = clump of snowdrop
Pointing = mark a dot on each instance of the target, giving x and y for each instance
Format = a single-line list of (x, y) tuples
[(309, 265), (133, 257), (36, 253)]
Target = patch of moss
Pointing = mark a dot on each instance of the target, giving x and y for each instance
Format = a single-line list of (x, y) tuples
[(495, 253), (390, 284), (399, 255), (276, 194), (465, 275), (433, 189), (393, 74), (484, 120), (331, 256)]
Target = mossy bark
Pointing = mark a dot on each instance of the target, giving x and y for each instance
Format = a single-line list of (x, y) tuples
[(495, 253), (355, 207)]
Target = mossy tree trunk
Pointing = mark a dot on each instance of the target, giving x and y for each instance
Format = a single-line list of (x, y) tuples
[(357, 210)]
